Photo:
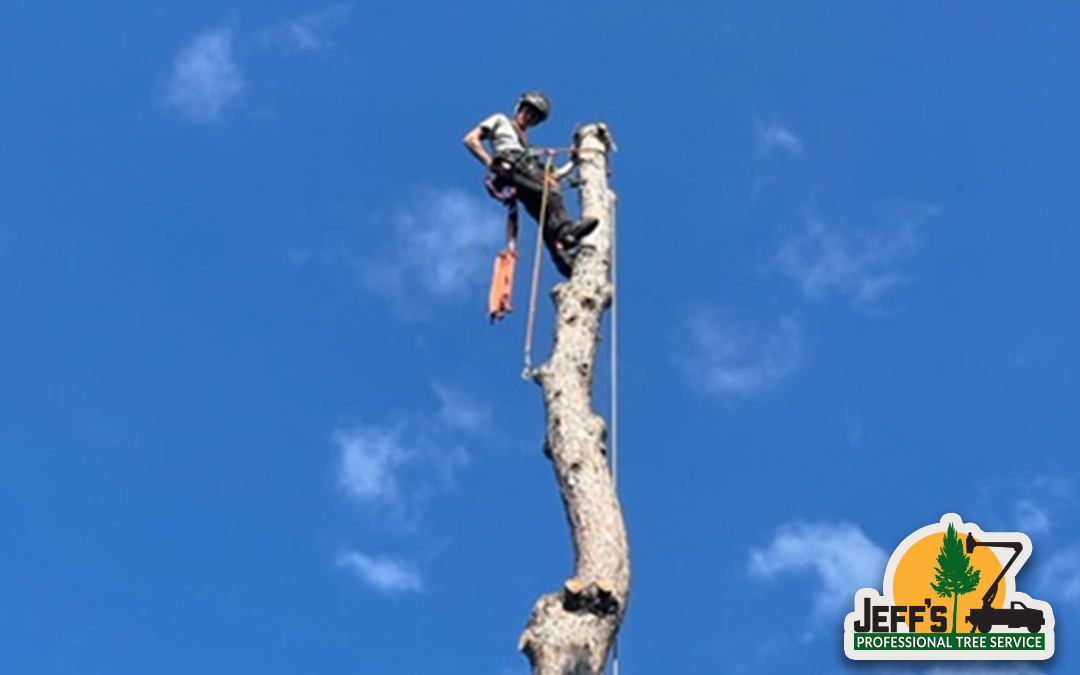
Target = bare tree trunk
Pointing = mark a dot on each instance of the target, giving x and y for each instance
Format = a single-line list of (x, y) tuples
[(570, 632)]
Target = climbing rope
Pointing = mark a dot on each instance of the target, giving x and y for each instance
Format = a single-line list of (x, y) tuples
[(614, 385), (529, 372), (614, 353)]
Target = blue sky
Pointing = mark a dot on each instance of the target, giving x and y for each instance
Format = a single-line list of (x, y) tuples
[(254, 419)]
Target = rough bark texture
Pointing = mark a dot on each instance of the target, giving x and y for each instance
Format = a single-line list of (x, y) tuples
[(570, 631)]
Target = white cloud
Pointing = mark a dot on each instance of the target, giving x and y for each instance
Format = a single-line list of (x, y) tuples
[(458, 410), (206, 81), (435, 252), (1059, 577), (308, 32), (772, 136), (860, 265), (395, 468), (392, 470), (841, 556), (441, 249), (1031, 505), (370, 459), (1031, 518), (1043, 497), (732, 359), (383, 573)]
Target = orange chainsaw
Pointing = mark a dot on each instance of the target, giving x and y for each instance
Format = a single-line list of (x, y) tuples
[(500, 297)]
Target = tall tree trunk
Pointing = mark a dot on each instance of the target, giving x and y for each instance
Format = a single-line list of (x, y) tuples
[(570, 632), (955, 622)]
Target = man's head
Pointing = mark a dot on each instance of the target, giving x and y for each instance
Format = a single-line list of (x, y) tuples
[(532, 109)]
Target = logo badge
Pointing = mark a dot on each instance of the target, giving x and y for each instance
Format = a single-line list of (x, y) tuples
[(950, 594)]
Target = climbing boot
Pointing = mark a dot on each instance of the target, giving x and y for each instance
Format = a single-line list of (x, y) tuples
[(560, 256), (571, 234)]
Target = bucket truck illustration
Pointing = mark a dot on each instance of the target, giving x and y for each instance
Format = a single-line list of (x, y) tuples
[(1017, 615)]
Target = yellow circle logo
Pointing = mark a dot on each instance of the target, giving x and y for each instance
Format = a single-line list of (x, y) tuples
[(917, 572)]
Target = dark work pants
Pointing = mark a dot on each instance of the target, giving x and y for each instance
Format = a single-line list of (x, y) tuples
[(527, 177)]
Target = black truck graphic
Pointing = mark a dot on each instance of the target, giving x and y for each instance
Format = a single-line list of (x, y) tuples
[(1017, 615)]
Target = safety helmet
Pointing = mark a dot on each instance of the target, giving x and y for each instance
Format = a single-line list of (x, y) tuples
[(537, 101)]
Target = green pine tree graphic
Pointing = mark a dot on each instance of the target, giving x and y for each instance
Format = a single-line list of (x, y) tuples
[(955, 576)]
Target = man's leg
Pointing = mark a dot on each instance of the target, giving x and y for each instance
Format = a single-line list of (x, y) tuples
[(557, 223), (561, 234), (529, 184), (562, 228)]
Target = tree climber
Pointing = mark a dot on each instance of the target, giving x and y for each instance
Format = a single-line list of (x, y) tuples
[(514, 164)]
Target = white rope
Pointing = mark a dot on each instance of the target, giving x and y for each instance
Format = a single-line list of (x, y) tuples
[(529, 372), (614, 386), (614, 354)]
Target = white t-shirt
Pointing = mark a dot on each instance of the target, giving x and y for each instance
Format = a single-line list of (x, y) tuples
[(504, 136)]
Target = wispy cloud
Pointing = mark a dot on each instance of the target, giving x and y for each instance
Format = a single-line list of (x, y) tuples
[(1059, 577), (1041, 498), (432, 253), (839, 555), (858, 264), (312, 32), (1031, 504), (438, 250), (393, 469), (206, 81), (383, 573), (1031, 517), (722, 356), (371, 456), (458, 410), (396, 469), (771, 136)]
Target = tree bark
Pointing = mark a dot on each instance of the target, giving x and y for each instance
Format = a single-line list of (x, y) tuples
[(571, 631)]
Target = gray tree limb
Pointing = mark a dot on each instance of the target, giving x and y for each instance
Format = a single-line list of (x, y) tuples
[(571, 631)]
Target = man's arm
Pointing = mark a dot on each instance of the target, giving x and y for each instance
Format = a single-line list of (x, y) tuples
[(561, 172), (474, 141)]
